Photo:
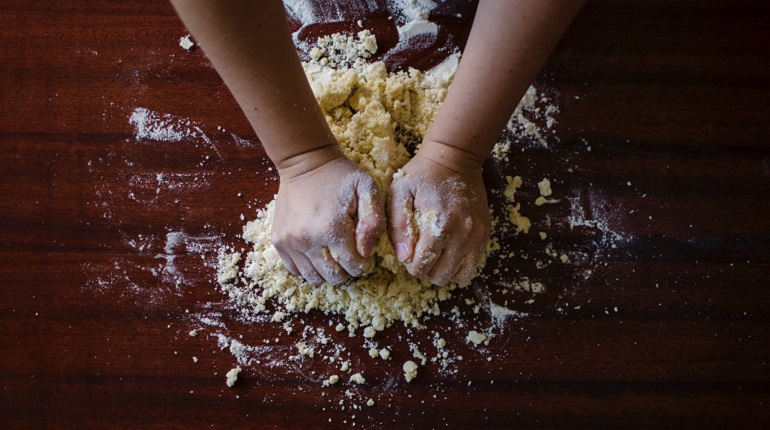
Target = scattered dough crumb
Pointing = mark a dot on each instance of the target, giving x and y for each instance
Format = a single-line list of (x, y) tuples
[(358, 379), (410, 370), (545, 187), (370, 402), (186, 43), (479, 338), (521, 222), (193, 333), (305, 350), (227, 267), (384, 354), (369, 332), (543, 235), (232, 376), (513, 184)]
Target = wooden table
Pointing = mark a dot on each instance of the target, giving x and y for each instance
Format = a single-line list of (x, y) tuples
[(109, 241)]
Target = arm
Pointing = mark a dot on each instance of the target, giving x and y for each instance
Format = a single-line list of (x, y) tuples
[(508, 44), (249, 44), (322, 193)]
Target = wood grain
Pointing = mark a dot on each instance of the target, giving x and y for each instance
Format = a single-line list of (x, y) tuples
[(670, 329)]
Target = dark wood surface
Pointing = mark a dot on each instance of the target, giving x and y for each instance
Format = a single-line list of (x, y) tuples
[(669, 329)]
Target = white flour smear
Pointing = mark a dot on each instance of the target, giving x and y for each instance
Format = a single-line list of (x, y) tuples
[(152, 126)]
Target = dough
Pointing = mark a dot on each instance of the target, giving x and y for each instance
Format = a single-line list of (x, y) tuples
[(374, 115)]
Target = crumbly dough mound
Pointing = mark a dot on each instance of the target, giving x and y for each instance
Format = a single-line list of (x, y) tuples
[(373, 114)]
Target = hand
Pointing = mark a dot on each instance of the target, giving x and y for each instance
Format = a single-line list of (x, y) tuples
[(446, 182), (327, 221)]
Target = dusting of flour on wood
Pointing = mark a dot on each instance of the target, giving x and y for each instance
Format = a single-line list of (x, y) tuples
[(378, 118)]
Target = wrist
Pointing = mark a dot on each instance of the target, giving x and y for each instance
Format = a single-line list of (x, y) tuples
[(452, 157), (299, 164)]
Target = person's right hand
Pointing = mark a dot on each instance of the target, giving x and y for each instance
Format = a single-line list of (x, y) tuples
[(448, 182), (327, 221)]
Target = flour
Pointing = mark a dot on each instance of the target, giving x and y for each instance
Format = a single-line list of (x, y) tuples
[(340, 50)]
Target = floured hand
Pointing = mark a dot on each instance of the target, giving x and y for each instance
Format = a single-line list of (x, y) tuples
[(327, 221), (438, 215)]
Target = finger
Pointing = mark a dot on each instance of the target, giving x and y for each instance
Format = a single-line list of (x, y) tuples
[(468, 266), (427, 251), (328, 268), (401, 222), (344, 252), (287, 261), (371, 218), (446, 266), (307, 269)]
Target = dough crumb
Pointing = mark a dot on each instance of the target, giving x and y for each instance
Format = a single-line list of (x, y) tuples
[(232, 376), (186, 43), (428, 221), (521, 222), (374, 352), (410, 370), (358, 379), (193, 333), (513, 184), (479, 338), (334, 379), (305, 350), (384, 354), (227, 267), (543, 235), (370, 402), (545, 187)]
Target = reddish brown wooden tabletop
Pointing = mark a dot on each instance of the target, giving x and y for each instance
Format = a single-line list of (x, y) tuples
[(108, 242)]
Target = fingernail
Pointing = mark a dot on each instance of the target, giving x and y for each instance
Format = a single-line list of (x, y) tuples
[(402, 252)]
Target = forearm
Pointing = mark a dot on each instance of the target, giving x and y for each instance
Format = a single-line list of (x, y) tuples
[(508, 44), (249, 43)]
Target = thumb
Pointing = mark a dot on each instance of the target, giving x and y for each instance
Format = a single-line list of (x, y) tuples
[(371, 218), (401, 222)]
